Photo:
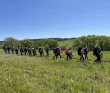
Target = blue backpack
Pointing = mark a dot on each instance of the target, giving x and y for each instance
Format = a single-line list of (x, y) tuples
[(54, 50), (34, 50)]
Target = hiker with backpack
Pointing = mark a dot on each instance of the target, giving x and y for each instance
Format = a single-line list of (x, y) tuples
[(47, 52), (97, 53), (58, 53), (41, 52), (81, 52), (34, 51), (55, 52), (16, 50), (29, 51), (12, 49), (25, 51), (8, 50), (5, 49), (86, 50), (21, 50), (68, 52)]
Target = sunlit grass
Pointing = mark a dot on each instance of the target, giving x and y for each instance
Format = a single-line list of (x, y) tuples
[(24, 74)]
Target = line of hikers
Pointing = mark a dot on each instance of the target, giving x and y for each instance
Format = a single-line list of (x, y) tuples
[(27, 51), (56, 52)]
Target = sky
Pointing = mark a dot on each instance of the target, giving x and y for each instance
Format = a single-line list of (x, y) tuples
[(36, 19)]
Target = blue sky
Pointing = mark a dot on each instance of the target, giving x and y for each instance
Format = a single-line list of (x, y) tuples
[(33, 19)]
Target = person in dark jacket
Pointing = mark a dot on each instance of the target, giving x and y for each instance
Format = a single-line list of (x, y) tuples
[(97, 52), (16, 50), (5, 49), (25, 51), (29, 51), (47, 52), (21, 50), (8, 50)]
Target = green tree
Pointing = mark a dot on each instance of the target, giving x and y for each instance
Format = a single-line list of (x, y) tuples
[(27, 43), (91, 41), (9, 42), (50, 43)]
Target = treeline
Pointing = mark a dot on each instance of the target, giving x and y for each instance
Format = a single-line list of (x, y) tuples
[(34, 40), (91, 40), (57, 39), (9, 42)]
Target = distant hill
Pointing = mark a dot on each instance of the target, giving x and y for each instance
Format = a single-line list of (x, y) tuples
[(58, 39)]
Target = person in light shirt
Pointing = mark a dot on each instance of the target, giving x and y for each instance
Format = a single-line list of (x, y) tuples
[(82, 52), (69, 53)]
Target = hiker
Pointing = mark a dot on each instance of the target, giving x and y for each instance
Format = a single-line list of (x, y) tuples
[(8, 50), (58, 53), (86, 50), (12, 49), (41, 51), (5, 49), (34, 51), (25, 51), (69, 53), (82, 52), (79, 51), (97, 52), (29, 51), (16, 50), (54, 52), (47, 52), (21, 50)]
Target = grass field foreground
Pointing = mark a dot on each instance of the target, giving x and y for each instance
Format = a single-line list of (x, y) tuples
[(23, 74)]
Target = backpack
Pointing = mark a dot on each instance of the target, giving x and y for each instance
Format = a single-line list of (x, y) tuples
[(34, 50), (66, 51), (54, 50), (79, 50), (40, 49), (95, 51)]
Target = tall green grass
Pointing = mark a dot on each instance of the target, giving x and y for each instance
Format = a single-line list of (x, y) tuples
[(24, 74)]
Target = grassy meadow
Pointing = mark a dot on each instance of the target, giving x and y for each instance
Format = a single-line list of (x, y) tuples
[(24, 74), (66, 43)]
